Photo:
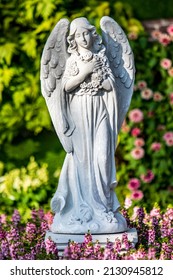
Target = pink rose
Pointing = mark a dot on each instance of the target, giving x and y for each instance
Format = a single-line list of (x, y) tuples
[(136, 115), (164, 39), (156, 146), (133, 184), (135, 131), (170, 30), (168, 135), (171, 98), (157, 96), (170, 72), (156, 34), (169, 142), (137, 195), (160, 127), (141, 85), (132, 35), (146, 94), (125, 128), (166, 63), (137, 153), (150, 114), (148, 177), (139, 142)]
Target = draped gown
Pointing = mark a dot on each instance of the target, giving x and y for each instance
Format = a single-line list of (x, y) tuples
[(85, 198)]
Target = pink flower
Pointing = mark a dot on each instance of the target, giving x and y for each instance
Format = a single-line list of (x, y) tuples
[(51, 247), (146, 94), (125, 128), (3, 218), (137, 153), (141, 85), (137, 195), (169, 142), (170, 72), (156, 146), (148, 177), (136, 115), (168, 135), (133, 184), (156, 34), (170, 30), (135, 131), (155, 212), (164, 39), (171, 98), (157, 96), (160, 127), (139, 142), (49, 219), (166, 63), (127, 202), (132, 35), (150, 114)]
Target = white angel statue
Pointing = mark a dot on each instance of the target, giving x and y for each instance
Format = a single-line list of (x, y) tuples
[(87, 82)]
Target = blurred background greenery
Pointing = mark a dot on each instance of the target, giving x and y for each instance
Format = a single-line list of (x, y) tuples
[(30, 153)]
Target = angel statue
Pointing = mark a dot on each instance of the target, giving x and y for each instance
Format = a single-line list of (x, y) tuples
[(87, 82)]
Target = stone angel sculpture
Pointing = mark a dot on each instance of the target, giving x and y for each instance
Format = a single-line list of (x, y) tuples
[(87, 82)]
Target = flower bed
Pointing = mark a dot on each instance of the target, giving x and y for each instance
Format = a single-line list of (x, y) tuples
[(25, 241)]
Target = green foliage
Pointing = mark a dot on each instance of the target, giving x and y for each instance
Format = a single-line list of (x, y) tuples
[(28, 185), (151, 9)]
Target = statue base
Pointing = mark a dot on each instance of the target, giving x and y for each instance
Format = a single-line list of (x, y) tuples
[(62, 240)]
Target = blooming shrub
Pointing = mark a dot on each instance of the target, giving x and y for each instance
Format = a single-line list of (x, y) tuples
[(145, 148), (19, 241), (28, 185)]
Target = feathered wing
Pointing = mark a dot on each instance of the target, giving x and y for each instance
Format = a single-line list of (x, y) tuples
[(121, 62), (53, 63)]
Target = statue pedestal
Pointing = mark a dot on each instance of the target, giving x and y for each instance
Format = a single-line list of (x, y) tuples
[(62, 240)]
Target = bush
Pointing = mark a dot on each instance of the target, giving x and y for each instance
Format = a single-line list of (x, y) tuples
[(145, 150), (26, 241)]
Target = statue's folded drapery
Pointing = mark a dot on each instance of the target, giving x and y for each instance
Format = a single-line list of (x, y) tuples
[(85, 196), (87, 83)]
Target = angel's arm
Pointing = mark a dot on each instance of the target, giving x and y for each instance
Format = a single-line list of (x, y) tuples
[(85, 69), (73, 82)]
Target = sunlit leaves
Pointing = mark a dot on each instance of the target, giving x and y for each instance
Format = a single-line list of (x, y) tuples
[(6, 52)]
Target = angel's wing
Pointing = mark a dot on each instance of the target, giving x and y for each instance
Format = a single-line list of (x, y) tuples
[(52, 68), (121, 62)]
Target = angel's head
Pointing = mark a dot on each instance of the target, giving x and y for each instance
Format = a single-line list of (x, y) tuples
[(83, 35)]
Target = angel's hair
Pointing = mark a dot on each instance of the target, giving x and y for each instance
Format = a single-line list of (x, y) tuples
[(83, 22)]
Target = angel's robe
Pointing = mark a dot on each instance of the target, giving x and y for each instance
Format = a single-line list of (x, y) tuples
[(85, 198)]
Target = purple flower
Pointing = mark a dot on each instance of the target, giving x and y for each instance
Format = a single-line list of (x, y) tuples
[(151, 254), (125, 242), (151, 236), (98, 251), (30, 231), (51, 247), (87, 238), (140, 214), (117, 245), (4, 249), (16, 217), (13, 235)]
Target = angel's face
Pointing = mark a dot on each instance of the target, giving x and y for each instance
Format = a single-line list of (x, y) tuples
[(83, 38)]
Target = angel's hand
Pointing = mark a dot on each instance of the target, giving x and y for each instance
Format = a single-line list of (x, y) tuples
[(87, 68), (106, 85)]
